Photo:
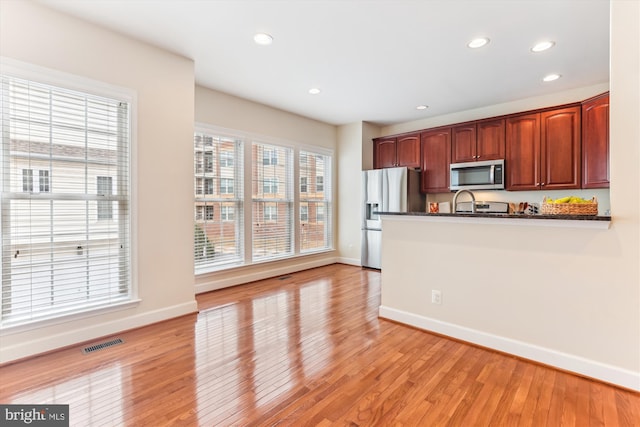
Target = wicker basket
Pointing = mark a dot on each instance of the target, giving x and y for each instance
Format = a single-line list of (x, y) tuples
[(570, 208)]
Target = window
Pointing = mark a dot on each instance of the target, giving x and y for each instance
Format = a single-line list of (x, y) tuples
[(270, 186), (27, 180), (57, 257), (208, 162), (285, 217), (226, 186), (227, 213), (208, 213), (272, 202), (269, 156), (218, 241), (270, 212), (105, 188), (226, 159), (44, 181), (315, 230), (208, 185)]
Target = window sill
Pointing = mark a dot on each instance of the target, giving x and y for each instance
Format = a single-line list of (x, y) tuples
[(51, 321)]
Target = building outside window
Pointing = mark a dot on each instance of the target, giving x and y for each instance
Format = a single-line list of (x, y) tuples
[(226, 159), (304, 213), (319, 183), (304, 184)]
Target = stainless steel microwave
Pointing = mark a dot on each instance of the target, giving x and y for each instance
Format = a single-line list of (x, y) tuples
[(484, 175)]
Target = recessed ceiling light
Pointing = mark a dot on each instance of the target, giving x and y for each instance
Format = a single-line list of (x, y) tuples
[(314, 91), (551, 77), (542, 46), (263, 39), (422, 107), (479, 42)]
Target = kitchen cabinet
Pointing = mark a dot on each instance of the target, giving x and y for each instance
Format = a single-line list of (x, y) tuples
[(435, 146), (543, 150), (384, 153), (482, 140), (403, 150), (595, 142)]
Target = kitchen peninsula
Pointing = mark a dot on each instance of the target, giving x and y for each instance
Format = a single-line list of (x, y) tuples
[(511, 283)]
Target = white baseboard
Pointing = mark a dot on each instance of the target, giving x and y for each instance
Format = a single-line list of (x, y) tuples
[(349, 261), (93, 332), (568, 362), (252, 274)]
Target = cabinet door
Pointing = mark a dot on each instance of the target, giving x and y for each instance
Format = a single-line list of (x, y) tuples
[(408, 151), (463, 143), (436, 157), (560, 149), (384, 153), (595, 143), (522, 154), (490, 140)]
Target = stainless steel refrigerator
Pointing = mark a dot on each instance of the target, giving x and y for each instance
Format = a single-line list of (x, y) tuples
[(385, 190)]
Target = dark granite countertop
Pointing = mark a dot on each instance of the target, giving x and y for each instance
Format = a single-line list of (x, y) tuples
[(509, 216)]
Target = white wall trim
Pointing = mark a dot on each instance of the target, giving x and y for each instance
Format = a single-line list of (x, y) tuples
[(349, 261), (251, 276), (75, 336), (568, 362)]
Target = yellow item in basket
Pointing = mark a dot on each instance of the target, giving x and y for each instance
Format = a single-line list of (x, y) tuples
[(569, 199)]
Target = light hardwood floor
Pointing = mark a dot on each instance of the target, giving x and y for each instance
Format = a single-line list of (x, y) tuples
[(307, 350)]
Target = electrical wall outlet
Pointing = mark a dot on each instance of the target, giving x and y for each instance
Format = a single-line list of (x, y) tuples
[(436, 296)]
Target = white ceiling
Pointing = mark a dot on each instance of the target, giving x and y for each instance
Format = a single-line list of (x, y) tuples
[(374, 60)]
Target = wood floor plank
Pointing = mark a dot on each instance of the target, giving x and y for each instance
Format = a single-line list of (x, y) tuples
[(307, 350)]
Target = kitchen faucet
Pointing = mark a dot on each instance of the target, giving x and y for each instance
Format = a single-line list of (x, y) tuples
[(473, 200)]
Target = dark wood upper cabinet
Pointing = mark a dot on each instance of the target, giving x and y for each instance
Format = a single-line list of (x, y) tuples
[(403, 150), (384, 153), (490, 139), (482, 140), (595, 142), (408, 151), (522, 159), (560, 149), (563, 147), (543, 150), (436, 157), (463, 143)]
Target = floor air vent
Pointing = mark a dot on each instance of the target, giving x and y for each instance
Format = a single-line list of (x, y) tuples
[(102, 345), (284, 277)]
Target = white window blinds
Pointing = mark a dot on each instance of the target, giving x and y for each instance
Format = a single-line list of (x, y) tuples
[(272, 202), (315, 201), (219, 204), (65, 201)]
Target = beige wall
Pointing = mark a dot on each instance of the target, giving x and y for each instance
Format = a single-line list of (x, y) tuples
[(268, 124), (564, 296), (163, 83)]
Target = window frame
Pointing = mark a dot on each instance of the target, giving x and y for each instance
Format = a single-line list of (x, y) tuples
[(127, 224), (246, 209)]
